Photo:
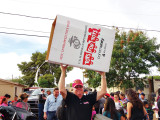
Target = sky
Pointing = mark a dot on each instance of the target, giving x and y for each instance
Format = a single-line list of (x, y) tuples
[(14, 49)]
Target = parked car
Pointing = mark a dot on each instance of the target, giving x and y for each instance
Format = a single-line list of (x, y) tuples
[(33, 99)]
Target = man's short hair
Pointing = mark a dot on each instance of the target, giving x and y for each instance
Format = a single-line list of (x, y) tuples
[(145, 102), (85, 90), (48, 90), (42, 89), (140, 89), (56, 88), (143, 94), (7, 95)]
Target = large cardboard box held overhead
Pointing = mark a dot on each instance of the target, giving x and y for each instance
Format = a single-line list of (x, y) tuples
[(80, 44)]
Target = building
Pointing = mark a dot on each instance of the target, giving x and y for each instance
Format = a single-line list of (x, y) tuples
[(11, 88)]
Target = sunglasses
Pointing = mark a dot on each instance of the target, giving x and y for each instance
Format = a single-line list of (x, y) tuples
[(79, 86)]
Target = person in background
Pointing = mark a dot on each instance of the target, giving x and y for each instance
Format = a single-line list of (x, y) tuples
[(15, 99), (62, 111), (158, 102), (158, 97), (23, 103), (4, 102), (53, 101), (110, 110), (112, 95), (140, 92), (123, 115), (149, 110), (97, 106), (9, 103), (42, 99), (5, 96), (123, 102), (143, 97), (48, 92), (135, 109), (106, 95), (101, 103), (117, 102), (85, 92), (93, 113)]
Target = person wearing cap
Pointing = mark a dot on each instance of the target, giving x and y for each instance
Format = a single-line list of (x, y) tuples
[(106, 95), (48, 92), (85, 92), (79, 106), (143, 97), (53, 101), (42, 99)]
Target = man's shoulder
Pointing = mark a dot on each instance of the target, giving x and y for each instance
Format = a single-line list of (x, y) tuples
[(50, 96), (92, 94)]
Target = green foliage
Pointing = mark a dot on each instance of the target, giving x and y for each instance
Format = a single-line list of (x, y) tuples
[(70, 84), (29, 69), (133, 54), (18, 80), (46, 81), (154, 77), (94, 78)]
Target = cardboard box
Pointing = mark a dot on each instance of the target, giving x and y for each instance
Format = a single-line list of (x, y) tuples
[(80, 44)]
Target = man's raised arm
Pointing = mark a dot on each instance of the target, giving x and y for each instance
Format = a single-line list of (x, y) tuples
[(101, 93), (62, 82)]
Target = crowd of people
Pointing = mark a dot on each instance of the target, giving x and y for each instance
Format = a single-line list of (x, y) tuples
[(81, 104), (21, 103)]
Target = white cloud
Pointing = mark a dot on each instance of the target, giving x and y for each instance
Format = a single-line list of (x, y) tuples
[(8, 63)]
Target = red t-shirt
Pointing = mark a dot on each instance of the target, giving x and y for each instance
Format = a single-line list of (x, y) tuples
[(1, 99)]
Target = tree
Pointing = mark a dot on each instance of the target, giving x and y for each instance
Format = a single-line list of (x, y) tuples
[(29, 69), (18, 80), (133, 54), (47, 81)]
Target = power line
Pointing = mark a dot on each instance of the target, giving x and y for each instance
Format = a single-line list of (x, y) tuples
[(129, 28), (25, 16), (48, 36), (94, 24), (24, 34), (24, 30)]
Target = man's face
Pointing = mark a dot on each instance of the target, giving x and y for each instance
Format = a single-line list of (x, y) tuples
[(146, 106), (48, 92), (142, 97), (15, 98), (139, 91), (86, 92), (78, 91), (56, 93), (43, 91)]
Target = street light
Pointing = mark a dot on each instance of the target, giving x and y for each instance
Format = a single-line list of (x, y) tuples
[(36, 77)]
